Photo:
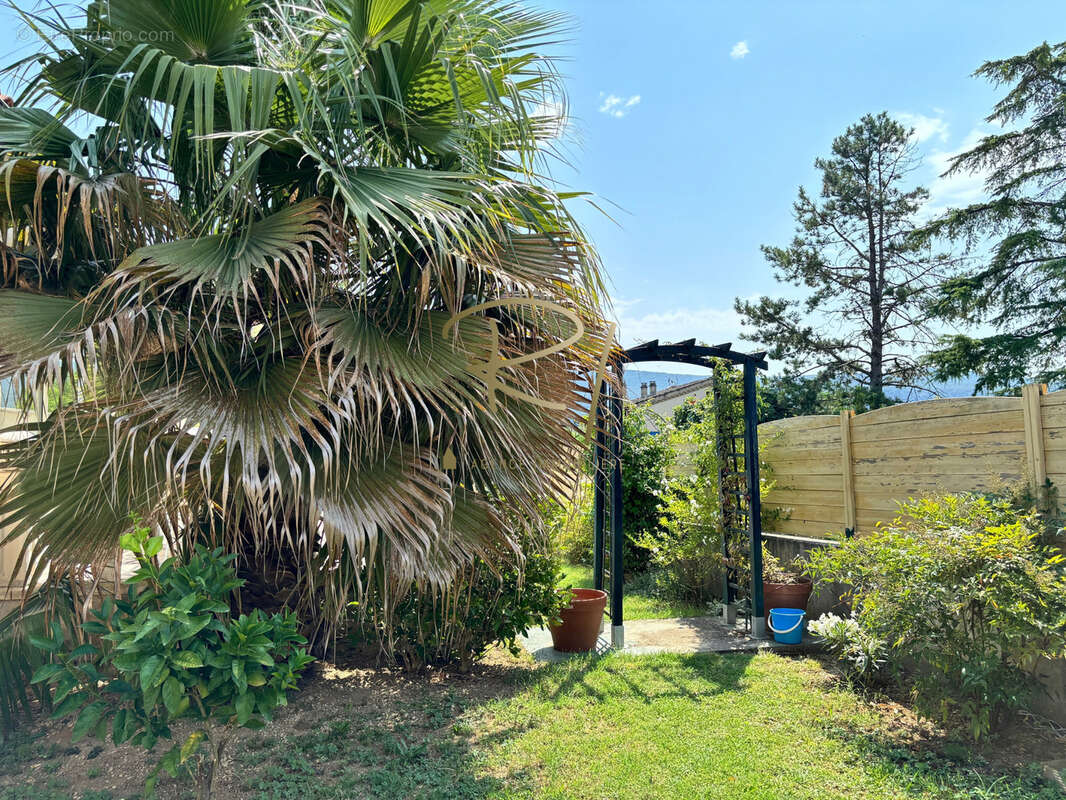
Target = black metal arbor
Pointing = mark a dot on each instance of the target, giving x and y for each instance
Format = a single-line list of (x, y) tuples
[(608, 471)]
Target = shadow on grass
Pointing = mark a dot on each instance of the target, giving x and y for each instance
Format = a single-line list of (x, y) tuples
[(430, 741), (951, 770), (645, 678), (362, 734)]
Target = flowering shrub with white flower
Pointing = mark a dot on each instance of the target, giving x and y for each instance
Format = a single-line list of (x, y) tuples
[(860, 653), (959, 597)]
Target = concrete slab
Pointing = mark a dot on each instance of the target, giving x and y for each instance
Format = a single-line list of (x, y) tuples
[(678, 635)]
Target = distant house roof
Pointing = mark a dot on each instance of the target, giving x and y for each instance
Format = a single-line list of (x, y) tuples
[(671, 392)]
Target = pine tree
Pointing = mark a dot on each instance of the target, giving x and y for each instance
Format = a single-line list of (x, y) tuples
[(854, 251), (1016, 289)]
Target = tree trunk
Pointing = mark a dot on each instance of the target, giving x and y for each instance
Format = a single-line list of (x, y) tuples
[(877, 333), (216, 740), (206, 778)]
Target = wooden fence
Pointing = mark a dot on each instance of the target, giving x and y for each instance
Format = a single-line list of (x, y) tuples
[(832, 473), (10, 583), (9, 417)]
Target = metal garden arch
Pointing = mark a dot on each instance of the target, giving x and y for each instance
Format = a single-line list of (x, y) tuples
[(608, 472)]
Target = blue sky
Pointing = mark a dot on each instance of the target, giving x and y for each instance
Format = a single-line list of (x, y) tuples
[(693, 123), (705, 166)]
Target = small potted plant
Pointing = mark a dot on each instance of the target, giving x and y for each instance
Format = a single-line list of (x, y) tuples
[(783, 587), (579, 619)]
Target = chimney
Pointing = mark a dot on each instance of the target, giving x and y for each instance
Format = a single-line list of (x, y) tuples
[(643, 390), (651, 387)]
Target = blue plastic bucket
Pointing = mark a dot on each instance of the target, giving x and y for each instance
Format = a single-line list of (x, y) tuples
[(787, 624)]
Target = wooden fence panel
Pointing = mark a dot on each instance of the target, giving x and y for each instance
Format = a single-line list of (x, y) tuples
[(10, 583), (852, 471), (807, 473), (1053, 430)]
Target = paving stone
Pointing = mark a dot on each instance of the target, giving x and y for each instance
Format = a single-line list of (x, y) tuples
[(678, 635)]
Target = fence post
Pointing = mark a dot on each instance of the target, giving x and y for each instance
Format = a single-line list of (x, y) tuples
[(1032, 411), (850, 517)]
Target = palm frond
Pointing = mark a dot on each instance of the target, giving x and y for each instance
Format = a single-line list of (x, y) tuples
[(281, 210), (227, 267), (35, 133), (19, 659), (32, 326), (68, 223), (72, 493)]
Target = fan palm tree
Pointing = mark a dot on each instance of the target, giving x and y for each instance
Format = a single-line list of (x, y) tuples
[(238, 233)]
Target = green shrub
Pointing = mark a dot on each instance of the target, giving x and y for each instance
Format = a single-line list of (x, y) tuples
[(966, 597), (570, 526), (480, 608), (170, 650), (646, 460), (688, 548)]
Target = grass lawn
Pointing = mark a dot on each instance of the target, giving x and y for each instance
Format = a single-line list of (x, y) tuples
[(636, 602), (667, 726)]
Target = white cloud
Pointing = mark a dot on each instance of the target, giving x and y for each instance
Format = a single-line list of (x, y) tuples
[(709, 325), (614, 106), (740, 49), (933, 135), (959, 189), (925, 128)]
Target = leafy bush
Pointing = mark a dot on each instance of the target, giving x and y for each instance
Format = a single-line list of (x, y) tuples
[(646, 459), (171, 651), (688, 547), (481, 607), (966, 597), (571, 526)]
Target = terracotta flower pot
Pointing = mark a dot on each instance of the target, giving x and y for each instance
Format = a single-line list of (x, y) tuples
[(786, 595), (580, 627)]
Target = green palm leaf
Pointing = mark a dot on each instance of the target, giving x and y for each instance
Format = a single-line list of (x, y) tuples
[(34, 133), (224, 267), (32, 327)]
